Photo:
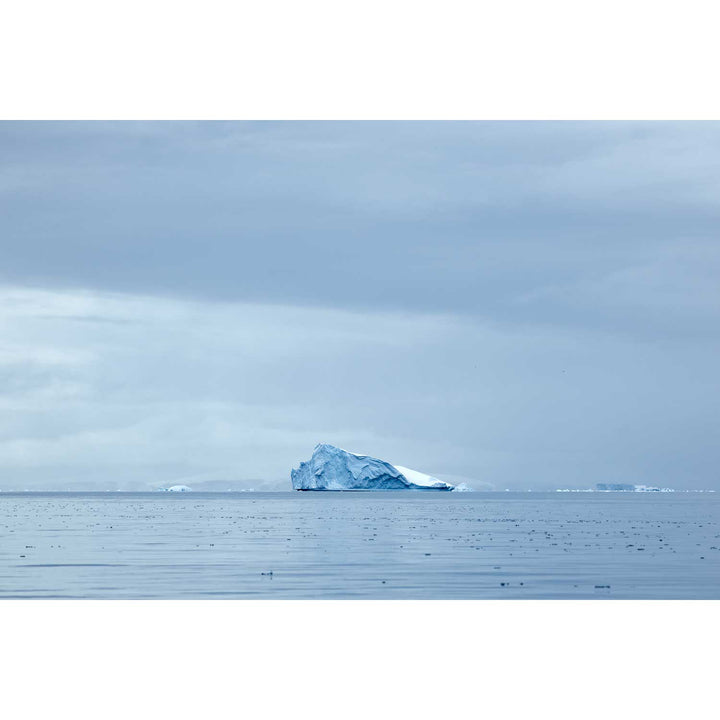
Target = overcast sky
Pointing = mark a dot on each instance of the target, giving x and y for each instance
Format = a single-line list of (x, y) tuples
[(512, 305)]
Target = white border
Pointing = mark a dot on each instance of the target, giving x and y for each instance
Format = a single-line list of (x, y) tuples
[(346, 659), (331, 59)]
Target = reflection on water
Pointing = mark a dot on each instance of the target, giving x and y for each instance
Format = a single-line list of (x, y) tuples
[(399, 545)]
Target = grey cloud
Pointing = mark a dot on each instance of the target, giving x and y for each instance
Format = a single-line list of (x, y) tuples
[(363, 215), (243, 391), (525, 304)]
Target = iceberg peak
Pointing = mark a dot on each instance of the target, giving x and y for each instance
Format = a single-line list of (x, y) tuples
[(332, 468)]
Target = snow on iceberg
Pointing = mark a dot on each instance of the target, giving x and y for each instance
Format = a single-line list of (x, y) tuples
[(331, 468)]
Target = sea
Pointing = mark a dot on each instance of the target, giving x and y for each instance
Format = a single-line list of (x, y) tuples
[(364, 546)]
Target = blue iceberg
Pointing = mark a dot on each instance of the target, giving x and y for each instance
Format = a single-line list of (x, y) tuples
[(331, 468)]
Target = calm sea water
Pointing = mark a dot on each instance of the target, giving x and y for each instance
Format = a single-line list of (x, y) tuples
[(359, 545)]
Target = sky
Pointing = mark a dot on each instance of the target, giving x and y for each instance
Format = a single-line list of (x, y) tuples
[(523, 305)]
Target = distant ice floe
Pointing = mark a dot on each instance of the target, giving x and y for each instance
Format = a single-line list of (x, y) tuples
[(462, 487), (623, 487), (176, 488), (619, 487), (331, 468)]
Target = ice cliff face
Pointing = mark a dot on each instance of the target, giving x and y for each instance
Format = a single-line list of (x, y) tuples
[(331, 468)]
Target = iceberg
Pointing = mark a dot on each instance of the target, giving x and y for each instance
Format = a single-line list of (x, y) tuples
[(176, 488), (331, 468)]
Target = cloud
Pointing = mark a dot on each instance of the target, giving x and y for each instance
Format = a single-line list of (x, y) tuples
[(169, 389), (454, 217), (525, 304)]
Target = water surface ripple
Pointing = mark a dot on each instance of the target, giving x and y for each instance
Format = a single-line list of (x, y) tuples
[(392, 545)]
